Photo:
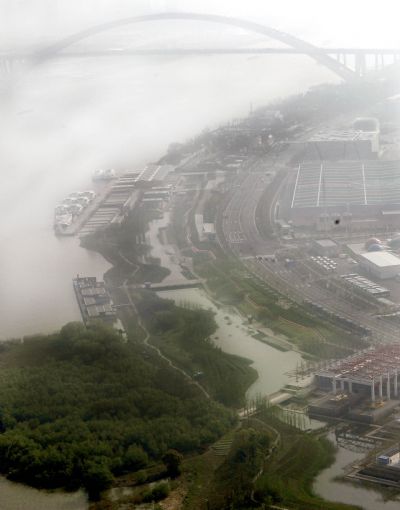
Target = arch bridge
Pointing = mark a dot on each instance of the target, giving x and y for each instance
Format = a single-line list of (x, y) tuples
[(335, 59)]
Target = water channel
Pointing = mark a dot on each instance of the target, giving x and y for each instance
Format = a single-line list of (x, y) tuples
[(329, 486)]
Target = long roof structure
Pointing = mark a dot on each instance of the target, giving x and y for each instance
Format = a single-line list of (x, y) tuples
[(366, 365), (346, 183)]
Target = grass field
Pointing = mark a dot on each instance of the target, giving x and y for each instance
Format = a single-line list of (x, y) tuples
[(231, 283)]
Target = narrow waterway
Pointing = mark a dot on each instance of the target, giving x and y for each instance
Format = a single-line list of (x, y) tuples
[(236, 337), (330, 487)]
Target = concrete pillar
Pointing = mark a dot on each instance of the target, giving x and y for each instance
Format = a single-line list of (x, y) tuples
[(396, 393), (380, 387), (388, 386), (350, 386), (342, 385), (334, 385), (373, 391)]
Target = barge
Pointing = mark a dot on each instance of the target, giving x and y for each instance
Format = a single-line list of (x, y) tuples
[(94, 300)]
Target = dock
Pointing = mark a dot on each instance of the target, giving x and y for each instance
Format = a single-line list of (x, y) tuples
[(87, 213), (115, 199)]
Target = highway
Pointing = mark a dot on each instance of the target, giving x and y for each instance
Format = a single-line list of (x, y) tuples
[(239, 224)]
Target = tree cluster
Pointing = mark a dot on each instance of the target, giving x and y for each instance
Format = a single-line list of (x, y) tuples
[(80, 407)]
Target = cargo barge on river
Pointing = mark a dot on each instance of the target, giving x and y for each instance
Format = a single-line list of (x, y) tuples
[(93, 299)]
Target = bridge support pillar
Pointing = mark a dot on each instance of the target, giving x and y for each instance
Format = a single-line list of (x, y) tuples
[(373, 391), (360, 64)]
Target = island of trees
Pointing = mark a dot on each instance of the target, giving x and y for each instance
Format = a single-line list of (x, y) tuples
[(82, 406)]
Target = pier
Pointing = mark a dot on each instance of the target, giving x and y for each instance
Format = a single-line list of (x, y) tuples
[(171, 285)]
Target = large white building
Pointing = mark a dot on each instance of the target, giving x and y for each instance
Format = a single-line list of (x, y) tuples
[(381, 264)]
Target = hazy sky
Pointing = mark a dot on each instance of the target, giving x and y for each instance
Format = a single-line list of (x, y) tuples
[(350, 22)]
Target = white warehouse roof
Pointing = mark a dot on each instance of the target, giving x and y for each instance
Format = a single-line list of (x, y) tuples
[(382, 258)]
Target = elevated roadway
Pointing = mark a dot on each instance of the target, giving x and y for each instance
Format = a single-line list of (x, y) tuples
[(332, 58)]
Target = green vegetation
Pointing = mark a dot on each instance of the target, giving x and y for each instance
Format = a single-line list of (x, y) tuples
[(232, 284), (123, 244), (183, 335), (127, 237), (269, 463), (233, 483), (290, 471), (153, 273), (80, 407), (158, 493), (173, 460)]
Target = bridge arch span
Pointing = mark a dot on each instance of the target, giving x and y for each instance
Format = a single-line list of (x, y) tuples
[(309, 49)]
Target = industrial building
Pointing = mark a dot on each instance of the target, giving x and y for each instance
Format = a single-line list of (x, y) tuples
[(372, 372), (380, 264), (384, 470), (390, 457), (327, 195), (154, 173), (363, 387), (325, 248), (365, 286), (205, 231), (368, 124), (209, 232), (343, 145)]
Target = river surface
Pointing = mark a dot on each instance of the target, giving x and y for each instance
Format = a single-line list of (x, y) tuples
[(329, 488)]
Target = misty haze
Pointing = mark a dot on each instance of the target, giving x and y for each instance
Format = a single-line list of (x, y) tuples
[(200, 265)]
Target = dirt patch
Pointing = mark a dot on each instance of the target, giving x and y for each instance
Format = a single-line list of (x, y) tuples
[(175, 499)]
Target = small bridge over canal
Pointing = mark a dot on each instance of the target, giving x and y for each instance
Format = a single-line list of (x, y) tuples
[(171, 285)]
